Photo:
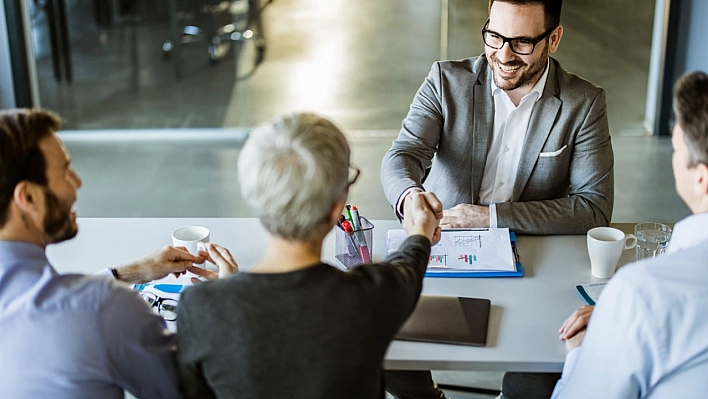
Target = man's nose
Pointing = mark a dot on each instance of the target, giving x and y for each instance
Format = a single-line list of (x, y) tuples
[(505, 54), (77, 179)]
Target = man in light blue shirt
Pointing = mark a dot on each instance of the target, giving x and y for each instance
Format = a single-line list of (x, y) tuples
[(648, 334), (70, 336)]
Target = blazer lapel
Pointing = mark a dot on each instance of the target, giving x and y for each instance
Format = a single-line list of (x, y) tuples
[(542, 117), (483, 127)]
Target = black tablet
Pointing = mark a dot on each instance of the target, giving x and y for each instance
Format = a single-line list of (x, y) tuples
[(448, 319)]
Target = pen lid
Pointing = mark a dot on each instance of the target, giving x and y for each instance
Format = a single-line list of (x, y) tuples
[(347, 226)]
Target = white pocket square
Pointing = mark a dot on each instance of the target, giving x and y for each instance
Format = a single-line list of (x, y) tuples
[(552, 154)]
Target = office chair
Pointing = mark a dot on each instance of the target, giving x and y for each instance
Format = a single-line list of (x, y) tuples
[(219, 23)]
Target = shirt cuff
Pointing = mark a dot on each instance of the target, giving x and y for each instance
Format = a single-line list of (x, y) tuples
[(492, 216), (399, 203), (104, 273)]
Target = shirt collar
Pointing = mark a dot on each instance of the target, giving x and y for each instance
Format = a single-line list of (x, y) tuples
[(689, 232), (538, 88), (19, 253)]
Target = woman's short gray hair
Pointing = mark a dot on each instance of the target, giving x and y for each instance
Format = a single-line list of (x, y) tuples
[(292, 171)]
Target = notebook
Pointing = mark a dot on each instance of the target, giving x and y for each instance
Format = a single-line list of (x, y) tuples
[(448, 319)]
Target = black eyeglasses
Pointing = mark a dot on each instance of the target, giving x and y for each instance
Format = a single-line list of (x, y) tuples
[(354, 173), (519, 45), (166, 307)]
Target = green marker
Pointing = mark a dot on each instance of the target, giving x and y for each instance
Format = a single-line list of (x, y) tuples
[(349, 213)]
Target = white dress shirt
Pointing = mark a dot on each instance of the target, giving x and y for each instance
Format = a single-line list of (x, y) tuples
[(648, 334), (510, 126)]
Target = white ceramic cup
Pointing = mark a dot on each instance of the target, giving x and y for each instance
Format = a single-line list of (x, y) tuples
[(605, 246), (194, 238)]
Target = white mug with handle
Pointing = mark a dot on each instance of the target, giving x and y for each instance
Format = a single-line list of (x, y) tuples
[(605, 246), (194, 238)]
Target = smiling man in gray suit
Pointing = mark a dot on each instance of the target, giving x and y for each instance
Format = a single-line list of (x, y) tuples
[(514, 140), (508, 139)]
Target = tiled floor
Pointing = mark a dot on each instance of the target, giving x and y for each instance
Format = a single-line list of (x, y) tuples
[(357, 62)]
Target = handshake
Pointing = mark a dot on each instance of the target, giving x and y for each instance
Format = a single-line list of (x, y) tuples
[(422, 212)]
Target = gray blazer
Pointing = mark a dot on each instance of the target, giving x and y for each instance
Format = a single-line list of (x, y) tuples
[(565, 181)]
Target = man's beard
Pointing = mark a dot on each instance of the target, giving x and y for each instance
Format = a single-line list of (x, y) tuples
[(58, 222), (530, 76)]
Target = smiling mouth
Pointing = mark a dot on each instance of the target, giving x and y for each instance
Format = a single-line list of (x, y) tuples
[(510, 69)]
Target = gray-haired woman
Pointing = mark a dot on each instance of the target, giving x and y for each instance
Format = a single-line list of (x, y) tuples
[(294, 327)]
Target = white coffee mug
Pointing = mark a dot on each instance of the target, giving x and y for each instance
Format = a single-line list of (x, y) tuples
[(605, 246), (194, 238)]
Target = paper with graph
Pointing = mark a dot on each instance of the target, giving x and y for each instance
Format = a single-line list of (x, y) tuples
[(466, 250)]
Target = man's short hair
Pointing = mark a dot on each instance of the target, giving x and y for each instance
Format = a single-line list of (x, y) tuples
[(551, 8), (292, 172), (21, 159), (691, 107)]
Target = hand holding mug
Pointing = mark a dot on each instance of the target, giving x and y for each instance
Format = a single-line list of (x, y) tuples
[(221, 258)]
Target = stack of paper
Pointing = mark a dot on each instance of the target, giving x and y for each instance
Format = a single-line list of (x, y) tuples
[(466, 250)]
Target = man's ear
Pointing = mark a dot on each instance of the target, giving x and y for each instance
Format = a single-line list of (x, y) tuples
[(701, 180), (555, 39), (26, 196)]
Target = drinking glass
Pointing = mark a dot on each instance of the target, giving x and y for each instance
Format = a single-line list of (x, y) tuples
[(652, 239)]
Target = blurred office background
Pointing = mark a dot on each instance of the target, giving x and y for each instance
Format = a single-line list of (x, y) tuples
[(156, 133), (359, 62)]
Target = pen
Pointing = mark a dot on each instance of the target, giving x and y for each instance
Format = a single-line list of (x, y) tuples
[(346, 226), (355, 218), (340, 220), (360, 236)]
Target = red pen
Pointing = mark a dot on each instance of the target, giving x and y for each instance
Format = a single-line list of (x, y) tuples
[(346, 226)]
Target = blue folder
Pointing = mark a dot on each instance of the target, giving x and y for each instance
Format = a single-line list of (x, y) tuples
[(519, 272)]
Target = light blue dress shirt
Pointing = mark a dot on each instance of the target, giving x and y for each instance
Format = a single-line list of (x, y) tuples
[(74, 336), (648, 334)]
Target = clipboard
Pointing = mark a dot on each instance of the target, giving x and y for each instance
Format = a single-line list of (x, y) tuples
[(519, 272)]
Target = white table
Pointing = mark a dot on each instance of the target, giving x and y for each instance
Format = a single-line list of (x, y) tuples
[(525, 316)]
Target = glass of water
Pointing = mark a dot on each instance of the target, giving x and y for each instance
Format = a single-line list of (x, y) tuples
[(652, 239)]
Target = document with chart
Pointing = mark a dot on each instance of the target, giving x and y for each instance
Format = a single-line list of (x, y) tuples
[(466, 250)]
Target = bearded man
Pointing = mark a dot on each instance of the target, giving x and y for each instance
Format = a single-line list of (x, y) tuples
[(506, 139), (73, 336), (517, 141)]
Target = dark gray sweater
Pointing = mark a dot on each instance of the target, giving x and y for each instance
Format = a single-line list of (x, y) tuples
[(313, 333)]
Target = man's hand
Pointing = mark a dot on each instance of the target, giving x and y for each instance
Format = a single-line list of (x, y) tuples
[(420, 216), (157, 265), (438, 210), (465, 215), (573, 328), (576, 322), (219, 256)]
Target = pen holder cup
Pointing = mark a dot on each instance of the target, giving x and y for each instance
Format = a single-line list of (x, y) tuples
[(354, 248)]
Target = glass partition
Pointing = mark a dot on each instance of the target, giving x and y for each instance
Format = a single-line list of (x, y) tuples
[(117, 64)]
